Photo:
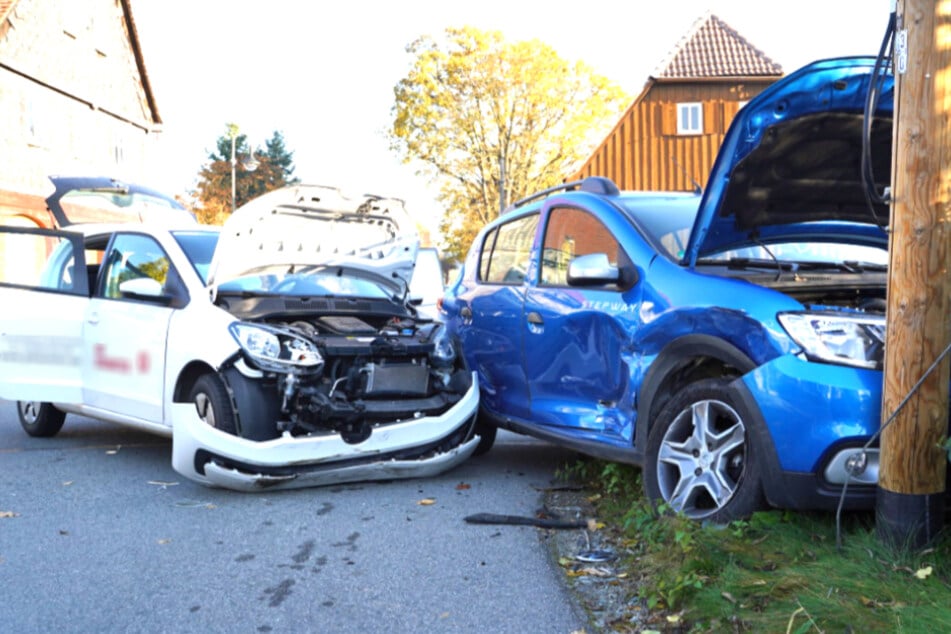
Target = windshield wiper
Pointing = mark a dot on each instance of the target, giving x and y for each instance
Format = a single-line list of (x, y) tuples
[(848, 266)]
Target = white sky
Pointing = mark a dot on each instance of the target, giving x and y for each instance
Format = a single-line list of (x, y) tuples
[(322, 73)]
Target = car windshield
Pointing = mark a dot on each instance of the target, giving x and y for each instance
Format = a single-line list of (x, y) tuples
[(308, 281), (666, 224), (808, 252), (199, 246)]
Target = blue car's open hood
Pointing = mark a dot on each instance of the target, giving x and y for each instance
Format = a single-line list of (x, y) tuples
[(789, 168)]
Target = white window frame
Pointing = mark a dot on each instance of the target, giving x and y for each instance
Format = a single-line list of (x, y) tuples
[(690, 117)]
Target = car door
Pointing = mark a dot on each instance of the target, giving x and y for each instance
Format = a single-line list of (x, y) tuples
[(43, 298), (125, 332), (576, 336), (492, 311)]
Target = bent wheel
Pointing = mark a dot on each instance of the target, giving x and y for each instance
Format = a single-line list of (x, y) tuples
[(40, 419), (211, 399), (702, 460)]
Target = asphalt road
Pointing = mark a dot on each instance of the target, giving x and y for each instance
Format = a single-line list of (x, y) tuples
[(99, 534)]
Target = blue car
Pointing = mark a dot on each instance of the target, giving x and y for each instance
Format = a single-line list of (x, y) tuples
[(729, 343)]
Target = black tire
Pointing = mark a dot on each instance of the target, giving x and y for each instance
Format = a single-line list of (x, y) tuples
[(702, 459), (487, 433), (211, 399), (40, 419)]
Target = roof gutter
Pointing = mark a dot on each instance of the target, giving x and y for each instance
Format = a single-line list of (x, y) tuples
[(156, 127)]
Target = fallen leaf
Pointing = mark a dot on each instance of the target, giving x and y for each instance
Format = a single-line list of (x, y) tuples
[(462, 486), (673, 618), (564, 562), (594, 525), (924, 573), (591, 571), (68, 483), (62, 532), (164, 541), (427, 502), (594, 498), (112, 452), (211, 506), (9, 514), (728, 597)]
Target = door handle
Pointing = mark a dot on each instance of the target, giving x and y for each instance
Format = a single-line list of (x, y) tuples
[(535, 318), (466, 312)]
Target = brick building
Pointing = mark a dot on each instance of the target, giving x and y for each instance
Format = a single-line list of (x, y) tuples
[(74, 98)]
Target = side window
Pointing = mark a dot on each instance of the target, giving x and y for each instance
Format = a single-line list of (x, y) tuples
[(132, 256), (42, 260), (570, 233), (506, 251)]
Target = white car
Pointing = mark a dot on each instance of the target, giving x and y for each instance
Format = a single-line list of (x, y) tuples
[(280, 352)]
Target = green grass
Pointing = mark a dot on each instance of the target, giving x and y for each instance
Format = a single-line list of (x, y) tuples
[(776, 572)]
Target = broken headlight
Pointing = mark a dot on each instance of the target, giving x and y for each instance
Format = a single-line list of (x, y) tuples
[(276, 349), (857, 340)]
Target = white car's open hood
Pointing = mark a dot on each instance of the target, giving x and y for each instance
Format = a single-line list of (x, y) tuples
[(304, 225)]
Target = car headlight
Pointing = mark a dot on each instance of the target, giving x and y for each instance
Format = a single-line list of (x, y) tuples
[(276, 349), (857, 340), (444, 352)]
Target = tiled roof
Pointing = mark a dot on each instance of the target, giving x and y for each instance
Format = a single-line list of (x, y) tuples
[(5, 6), (714, 49)]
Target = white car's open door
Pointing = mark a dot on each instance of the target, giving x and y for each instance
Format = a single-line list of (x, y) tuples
[(44, 291)]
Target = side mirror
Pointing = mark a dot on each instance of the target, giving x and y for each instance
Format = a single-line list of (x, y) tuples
[(593, 269)]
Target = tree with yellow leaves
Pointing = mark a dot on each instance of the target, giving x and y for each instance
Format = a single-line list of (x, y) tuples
[(492, 121)]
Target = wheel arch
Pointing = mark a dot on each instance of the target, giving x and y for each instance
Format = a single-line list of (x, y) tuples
[(685, 360), (187, 377)]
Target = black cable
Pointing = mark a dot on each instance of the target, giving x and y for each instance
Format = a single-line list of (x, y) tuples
[(876, 81), (904, 401)]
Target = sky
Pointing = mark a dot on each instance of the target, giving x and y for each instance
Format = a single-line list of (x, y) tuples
[(322, 73)]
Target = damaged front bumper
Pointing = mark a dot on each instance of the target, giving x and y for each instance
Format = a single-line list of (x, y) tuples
[(413, 448)]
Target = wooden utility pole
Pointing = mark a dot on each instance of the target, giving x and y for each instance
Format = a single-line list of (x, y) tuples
[(910, 500)]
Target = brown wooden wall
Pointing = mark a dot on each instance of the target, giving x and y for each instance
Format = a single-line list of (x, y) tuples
[(644, 151)]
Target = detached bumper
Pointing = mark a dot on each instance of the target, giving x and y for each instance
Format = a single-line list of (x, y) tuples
[(414, 448)]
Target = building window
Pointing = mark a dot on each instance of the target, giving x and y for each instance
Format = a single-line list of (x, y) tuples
[(690, 118)]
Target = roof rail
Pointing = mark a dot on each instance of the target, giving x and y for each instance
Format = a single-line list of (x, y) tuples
[(593, 184)]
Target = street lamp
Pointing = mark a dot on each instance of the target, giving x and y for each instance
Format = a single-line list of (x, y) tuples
[(249, 164)]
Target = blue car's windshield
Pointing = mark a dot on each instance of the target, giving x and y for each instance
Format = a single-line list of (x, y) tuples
[(667, 225)]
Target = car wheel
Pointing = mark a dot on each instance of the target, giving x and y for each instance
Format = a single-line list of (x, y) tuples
[(702, 460), (40, 419), (211, 399), (487, 433)]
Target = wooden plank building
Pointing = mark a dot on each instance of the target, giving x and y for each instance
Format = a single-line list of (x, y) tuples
[(669, 137)]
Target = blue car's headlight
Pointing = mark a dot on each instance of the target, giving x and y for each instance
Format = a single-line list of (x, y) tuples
[(845, 339), (276, 349)]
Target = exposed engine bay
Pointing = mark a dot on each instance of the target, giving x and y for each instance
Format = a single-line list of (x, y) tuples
[(841, 286), (358, 372)]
